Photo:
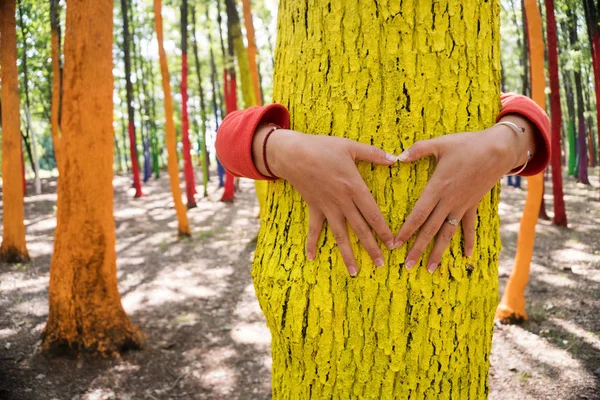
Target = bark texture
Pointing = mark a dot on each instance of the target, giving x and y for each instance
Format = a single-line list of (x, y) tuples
[(560, 215), (14, 248), (387, 74), (86, 314), (170, 139)]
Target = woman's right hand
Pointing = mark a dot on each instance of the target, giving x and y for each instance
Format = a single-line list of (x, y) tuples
[(323, 170)]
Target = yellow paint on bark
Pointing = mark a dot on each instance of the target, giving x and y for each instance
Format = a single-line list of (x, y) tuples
[(512, 305), (14, 248), (85, 311), (388, 74)]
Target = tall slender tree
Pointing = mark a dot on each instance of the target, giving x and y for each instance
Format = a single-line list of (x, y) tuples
[(55, 108), (85, 311), (202, 135), (170, 138), (512, 305), (592, 17), (560, 215), (13, 248), (137, 184), (188, 167), (582, 175)]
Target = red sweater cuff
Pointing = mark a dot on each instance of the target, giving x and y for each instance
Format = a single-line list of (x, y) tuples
[(234, 139), (524, 106)]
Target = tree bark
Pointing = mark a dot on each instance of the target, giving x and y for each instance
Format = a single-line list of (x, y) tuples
[(512, 306), (230, 83), (525, 55), (367, 71), (582, 175), (13, 248), (560, 215), (85, 313), (130, 110), (238, 50), (202, 144), (55, 109), (188, 167), (171, 142)]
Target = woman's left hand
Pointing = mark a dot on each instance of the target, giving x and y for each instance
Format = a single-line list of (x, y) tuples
[(468, 166)]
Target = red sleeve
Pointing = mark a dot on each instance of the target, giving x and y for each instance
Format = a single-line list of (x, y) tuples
[(234, 138), (517, 104)]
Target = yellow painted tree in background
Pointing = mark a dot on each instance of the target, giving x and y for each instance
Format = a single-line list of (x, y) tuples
[(512, 305), (14, 248), (86, 314), (235, 31), (387, 74), (170, 139)]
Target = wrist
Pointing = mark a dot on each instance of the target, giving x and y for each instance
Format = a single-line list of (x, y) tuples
[(517, 138)]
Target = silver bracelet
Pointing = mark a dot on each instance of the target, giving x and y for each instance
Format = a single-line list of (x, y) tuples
[(519, 130)]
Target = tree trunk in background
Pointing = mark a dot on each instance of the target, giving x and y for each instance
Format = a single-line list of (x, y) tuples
[(572, 141), (582, 175), (260, 186), (229, 87), (188, 167), (220, 169), (154, 144), (35, 161), (560, 215), (202, 136), (14, 248), (85, 313), (238, 50), (55, 109), (171, 142), (216, 89), (525, 55), (388, 333), (512, 306), (140, 81), (592, 20), (130, 110)]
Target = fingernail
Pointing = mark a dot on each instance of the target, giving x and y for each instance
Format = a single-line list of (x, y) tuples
[(431, 268), (469, 253), (379, 262), (353, 271), (390, 157), (399, 244), (311, 256), (390, 245), (410, 264), (403, 156)]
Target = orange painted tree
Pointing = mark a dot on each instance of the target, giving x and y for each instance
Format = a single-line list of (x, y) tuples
[(13, 249), (170, 139), (86, 314), (512, 305)]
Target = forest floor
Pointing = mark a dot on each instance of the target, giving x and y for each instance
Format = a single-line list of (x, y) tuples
[(206, 336)]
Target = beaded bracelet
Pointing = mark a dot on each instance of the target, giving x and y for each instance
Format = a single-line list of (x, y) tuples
[(519, 130), (264, 149)]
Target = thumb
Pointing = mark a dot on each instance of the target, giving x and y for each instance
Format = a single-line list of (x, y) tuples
[(420, 149), (365, 152)]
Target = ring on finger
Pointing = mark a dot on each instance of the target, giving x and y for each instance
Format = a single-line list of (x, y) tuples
[(452, 221)]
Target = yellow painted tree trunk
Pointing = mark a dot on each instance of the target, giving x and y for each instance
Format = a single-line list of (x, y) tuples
[(86, 314), (235, 30), (512, 306), (14, 248), (387, 74), (170, 139)]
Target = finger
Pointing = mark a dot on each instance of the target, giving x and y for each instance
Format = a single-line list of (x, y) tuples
[(364, 234), (443, 238), (373, 216), (372, 154), (468, 227), (340, 233), (315, 226), (426, 234), (419, 214), (420, 149)]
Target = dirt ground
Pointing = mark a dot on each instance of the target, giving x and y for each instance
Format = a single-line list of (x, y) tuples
[(206, 335)]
